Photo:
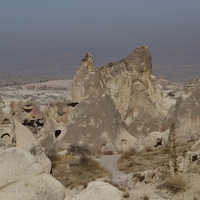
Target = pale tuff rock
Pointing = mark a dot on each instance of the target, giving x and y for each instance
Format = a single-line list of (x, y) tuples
[(7, 136), (186, 115), (60, 111), (115, 104), (98, 191), (22, 177), (26, 140), (95, 123), (5, 114), (135, 92), (28, 114), (87, 82), (51, 135)]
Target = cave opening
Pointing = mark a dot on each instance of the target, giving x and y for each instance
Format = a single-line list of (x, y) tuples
[(57, 133)]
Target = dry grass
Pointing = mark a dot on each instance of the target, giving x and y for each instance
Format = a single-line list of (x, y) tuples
[(73, 171), (174, 184), (133, 162), (148, 159), (194, 167)]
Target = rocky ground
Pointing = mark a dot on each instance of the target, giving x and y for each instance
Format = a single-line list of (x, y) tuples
[(42, 93)]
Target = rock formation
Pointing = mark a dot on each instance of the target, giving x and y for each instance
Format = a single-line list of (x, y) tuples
[(27, 113), (135, 92), (186, 114), (115, 104), (87, 82)]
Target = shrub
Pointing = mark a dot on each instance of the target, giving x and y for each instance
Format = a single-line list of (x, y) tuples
[(126, 195), (145, 197), (148, 148), (78, 150), (73, 171), (174, 184), (108, 153)]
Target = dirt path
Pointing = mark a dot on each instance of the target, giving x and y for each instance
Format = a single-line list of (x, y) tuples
[(110, 163)]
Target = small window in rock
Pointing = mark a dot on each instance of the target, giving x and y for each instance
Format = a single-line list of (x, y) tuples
[(158, 143), (73, 104), (57, 133), (194, 158), (6, 137)]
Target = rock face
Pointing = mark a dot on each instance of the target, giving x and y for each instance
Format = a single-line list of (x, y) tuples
[(27, 113), (87, 82), (22, 177), (115, 104), (7, 135), (51, 136), (26, 140), (95, 123), (60, 111), (99, 190), (134, 90), (186, 115)]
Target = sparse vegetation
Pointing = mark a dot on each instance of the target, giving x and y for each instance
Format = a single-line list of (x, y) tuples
[(73, 171), (133, 162), (145, 197), (78, 150), (108, 153), (126, 195), (174, 184)]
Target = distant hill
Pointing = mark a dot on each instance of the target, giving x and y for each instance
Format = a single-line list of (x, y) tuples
[(179, 64)]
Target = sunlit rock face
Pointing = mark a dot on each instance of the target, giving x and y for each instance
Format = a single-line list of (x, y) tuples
[(95, 120), (116, 103), (87, 82), (135, 92), (186, 114)]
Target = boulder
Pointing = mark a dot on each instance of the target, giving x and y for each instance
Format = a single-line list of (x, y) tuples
[(26, 140), (22, 177), (98, 191)]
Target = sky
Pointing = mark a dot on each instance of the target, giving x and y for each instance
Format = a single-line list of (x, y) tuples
[(54, 35)]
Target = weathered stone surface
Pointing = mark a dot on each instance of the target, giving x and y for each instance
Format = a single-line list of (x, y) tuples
[(186, 115), (95, 123), (16, 165), (60, 111), (135, 92), (87, 82), (7, 136), (98, 191), (26, 140), (22, 177), (51, 135), (152, 140), (115, 104), (28, 114), (5, 114)]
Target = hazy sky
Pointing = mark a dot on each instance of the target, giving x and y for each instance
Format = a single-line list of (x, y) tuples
[(109, 29)]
